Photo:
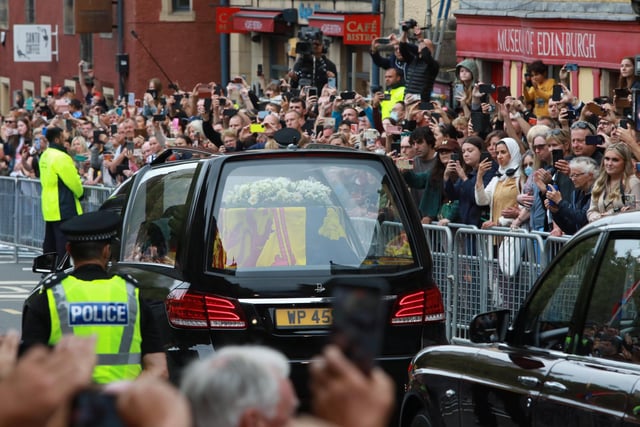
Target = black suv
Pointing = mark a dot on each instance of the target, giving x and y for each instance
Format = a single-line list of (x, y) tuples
[(571, 357), (243, 248)]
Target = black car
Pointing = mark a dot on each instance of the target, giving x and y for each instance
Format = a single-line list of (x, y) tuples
[(245, 248), (571, 357)]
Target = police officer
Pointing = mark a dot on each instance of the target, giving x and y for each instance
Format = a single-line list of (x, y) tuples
[(90, 301), (61, 190)]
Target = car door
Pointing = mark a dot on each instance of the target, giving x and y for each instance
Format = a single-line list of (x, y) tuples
[(592, 387), (503, 382)]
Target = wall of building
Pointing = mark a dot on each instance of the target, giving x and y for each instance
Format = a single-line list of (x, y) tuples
[(184, 44), (499, 35)]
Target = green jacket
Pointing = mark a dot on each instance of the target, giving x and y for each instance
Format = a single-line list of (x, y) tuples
[(108, 309), (61, 185)]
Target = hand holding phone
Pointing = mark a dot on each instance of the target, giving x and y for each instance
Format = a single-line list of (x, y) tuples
[(557, 93), (256, 128), (485, 155), (503, 93), (346, 95), (358, 319)]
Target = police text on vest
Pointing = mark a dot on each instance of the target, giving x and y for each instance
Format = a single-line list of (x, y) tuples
[(98, 313)]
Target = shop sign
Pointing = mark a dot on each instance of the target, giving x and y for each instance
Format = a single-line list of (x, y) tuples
[(600, 44), (361, 29), (32, 43), (224, 19)]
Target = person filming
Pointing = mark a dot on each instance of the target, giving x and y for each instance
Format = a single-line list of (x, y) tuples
[(312, 68)]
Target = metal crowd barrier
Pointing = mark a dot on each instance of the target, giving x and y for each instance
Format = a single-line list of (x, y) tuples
[(21, 223), (482, 270)]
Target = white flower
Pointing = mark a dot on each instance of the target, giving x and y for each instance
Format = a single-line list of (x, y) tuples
[(277, 191)]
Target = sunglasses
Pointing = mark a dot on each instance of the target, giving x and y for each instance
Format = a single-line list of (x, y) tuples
[(583, 125)]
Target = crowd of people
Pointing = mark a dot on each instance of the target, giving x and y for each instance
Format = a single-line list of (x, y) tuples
[(546, 161), (442, 149)]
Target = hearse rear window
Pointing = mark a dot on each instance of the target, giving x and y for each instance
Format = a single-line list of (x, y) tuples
[(320, 213)]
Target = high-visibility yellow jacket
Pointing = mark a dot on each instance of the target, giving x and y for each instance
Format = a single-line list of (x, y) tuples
[(396, 95), (108, 309), (61, 185)]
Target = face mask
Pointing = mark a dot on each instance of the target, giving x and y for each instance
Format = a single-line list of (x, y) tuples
[(528, 170), (394, 116)]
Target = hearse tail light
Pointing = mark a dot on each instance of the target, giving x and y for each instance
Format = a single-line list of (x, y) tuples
[(434, 306), (193, 310), (418, 307)]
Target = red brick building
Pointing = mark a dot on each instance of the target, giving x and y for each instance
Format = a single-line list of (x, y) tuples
[(180, 34)]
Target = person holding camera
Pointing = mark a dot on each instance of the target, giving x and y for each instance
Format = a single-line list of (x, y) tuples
[(394, 60), (570, 214), (422, 68), (312, 68), (538, 88)]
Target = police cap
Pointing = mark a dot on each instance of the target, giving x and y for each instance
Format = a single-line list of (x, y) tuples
[(286, 136), (91, 227)]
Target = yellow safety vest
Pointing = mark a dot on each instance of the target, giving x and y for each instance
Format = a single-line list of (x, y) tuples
[(397, 95), (108, 309)]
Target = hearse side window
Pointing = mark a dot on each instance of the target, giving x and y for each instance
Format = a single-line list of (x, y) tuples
[(155, 216)]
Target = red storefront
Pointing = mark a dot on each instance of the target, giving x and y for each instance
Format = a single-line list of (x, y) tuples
[(510, 43)]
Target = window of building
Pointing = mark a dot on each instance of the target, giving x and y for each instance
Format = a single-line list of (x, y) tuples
[(109, 95), (68, 16), (29, 11), (5, 95), (4, 14), (86, 47), (177, 10), (181, 5), (45, 84)]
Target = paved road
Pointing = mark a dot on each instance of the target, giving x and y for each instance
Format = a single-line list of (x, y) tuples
[(16, 282)]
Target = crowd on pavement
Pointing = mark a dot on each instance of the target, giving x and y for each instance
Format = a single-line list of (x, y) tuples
[(540, 179), (546, 161)]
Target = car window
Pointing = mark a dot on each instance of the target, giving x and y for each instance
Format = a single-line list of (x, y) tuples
[(612, 327), (549, 313), (320, 213), (154, 216)]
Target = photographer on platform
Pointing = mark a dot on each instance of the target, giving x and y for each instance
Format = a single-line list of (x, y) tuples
[(312, 68)]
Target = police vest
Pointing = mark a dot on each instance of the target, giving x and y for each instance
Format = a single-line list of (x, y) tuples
[(395, 95), (108, 309)]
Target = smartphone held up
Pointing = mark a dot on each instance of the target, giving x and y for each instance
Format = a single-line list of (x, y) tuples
[(358, 319)]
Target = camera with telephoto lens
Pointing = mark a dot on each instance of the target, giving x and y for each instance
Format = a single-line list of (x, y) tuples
[(409, 24), (306, 37)]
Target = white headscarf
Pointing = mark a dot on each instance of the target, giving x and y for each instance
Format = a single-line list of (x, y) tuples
[(514, 163)]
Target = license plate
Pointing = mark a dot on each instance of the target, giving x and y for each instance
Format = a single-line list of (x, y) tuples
[(299, 317)]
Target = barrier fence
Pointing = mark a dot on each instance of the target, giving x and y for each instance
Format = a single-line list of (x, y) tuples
[(476, 270), (21, 223), (481, 270)]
